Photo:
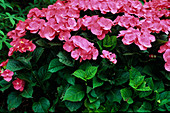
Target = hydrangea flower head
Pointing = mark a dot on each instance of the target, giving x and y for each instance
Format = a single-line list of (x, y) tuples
[(109, 55), (19, 84), (7, 75)]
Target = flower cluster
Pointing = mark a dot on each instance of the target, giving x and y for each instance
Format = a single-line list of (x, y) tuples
[(98, 25), (126, 21), (142, 39), (109, 55), (21, 45), (155, 25), (166, 50), (19, 84), (7, 75), (81, 47), (63, 17)]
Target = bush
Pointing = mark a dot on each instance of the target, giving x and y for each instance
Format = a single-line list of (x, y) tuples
[(70, 57)]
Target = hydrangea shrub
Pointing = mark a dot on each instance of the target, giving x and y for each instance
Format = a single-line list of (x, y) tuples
[(91, 55)]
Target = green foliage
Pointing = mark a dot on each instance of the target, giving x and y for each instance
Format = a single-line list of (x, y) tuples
[(86, 74), (55, 66), (74, 93), (41, 106), (14, 100)]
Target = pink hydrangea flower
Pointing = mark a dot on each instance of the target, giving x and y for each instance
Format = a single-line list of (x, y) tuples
[(21, 45), (68, 46), (164, 47), (19, 84), (35, 24), (47, 32), (4, 63), (13, 34), (104, 8), (80, 47), (130, 35), (112, 6), (126, 21), (109, 55), (142, 40), (105, 23), (7, 75), (166, 57), (35, 12), (19, 31), (64, 35), (98, 25)]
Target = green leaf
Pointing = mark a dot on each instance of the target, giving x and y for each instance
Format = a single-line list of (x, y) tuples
[(1, 44), (144, 93), (55, 66), (124, 107), (85, 65), (8, 44), (43, 73), (2, 33), (3, 5), (42, 105), (159, 86), (164, 98), (88, 89), (74, 93), (14, 65), (94, 105), (166, 74), (121, 77), (97, 82), (143, 87), (91, 72), (135, 82), (114, 96), (25, 62), (28, 91), (88, 74), (73, 106), (42, 43), (8, 5), (115, 107), (133, 73), (100, 44), (110, 41), (11, 18), (19, 18), (52, 109), (147, 85), (145, 107), (5, 85), (80, 74), (70, 79), (65, 59), (91, 99), (126, 94), (37, 53), (14, 100)]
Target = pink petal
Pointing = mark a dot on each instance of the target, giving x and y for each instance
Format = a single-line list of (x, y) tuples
[(8, 79)]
